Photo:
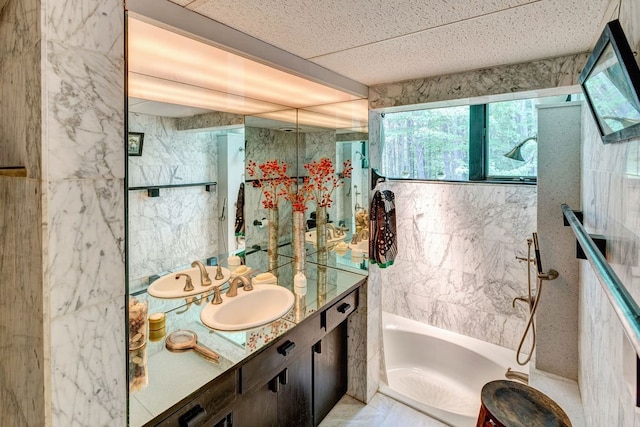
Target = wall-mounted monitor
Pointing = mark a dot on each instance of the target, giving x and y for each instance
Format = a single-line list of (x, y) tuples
[(610, 81)]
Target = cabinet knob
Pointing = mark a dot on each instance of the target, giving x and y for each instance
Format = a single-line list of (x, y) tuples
[(343, 308), (286, 348)]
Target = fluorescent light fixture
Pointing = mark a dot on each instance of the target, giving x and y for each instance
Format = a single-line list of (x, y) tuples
[(171, 67), (155, 89)]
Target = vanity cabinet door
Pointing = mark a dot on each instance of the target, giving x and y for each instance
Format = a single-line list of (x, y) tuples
[(259, 408), (329, 371), (295, 395), (285, 400)]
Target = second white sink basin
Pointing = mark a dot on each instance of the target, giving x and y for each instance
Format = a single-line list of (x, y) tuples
[(249, 309), (362, 246)]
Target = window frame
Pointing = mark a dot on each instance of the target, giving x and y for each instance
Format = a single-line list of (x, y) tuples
[(479, 152)]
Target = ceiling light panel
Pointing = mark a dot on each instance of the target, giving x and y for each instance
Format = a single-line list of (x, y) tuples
[(157, 55)]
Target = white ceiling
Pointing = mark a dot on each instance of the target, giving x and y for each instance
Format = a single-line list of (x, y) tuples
[(374, 41)]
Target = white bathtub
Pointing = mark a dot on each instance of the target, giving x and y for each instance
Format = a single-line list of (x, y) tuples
[(439, 372)]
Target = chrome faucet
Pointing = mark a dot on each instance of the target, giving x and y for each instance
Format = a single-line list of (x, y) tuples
[(188, 287), (204, 275), (233, 285), (360, 236)]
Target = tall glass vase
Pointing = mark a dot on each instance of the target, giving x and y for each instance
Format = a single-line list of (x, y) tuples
[(272, 244), (298, 241), (321, 234)]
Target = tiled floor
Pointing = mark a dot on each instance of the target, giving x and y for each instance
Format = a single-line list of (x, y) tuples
[(381, 411)]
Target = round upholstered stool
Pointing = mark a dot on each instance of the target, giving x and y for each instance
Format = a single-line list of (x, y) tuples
[(512, 404)]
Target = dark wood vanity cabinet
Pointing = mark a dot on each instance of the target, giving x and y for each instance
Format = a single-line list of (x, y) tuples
[(284, 400), (329, 371), (295, 381)]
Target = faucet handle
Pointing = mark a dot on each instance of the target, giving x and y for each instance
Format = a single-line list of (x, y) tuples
[(189, 285), (217, 298), (219, 275)]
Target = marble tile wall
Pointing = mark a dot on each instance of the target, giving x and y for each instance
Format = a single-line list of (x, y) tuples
[(262, 145), (456, 266), (162, 234), (610, 204), (543, 77), (318, 145), (83, 209)]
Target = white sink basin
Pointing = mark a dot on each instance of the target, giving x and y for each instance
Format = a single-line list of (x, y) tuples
[(249, 309), (170, 287), (362, 247)]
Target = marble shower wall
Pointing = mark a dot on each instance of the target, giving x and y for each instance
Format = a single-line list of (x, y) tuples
[(611, 207), (456, 267), (163, 235)]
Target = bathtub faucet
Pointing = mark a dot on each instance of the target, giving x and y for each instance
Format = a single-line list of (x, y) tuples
[(518, 376)]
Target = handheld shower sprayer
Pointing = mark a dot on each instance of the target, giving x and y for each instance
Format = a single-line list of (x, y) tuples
[(533, 297)]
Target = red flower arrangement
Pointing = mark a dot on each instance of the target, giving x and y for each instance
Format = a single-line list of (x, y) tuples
[(270, 179), (318, 186), (324, 180)]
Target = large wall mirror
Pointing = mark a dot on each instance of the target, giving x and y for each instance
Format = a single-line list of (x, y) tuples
[(195, 122)]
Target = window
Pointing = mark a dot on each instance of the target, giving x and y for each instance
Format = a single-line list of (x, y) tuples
[(427, 144), (465, 143), (508, 124)]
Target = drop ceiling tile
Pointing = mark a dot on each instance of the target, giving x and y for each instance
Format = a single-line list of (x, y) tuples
[(310, 28), (538, 30)]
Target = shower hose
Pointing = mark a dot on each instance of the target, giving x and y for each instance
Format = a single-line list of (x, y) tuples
[(532, 311)]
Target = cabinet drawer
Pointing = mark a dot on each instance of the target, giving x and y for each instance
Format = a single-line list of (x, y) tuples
[(202, 409), (339, 311), (273, 359)]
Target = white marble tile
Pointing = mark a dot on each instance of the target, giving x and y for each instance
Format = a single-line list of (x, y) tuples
[(86, 223), (96, 25), (534, 75), (457, 247), (88, 370), (380, 411), (163, 235), (608, 198), (84, 114)]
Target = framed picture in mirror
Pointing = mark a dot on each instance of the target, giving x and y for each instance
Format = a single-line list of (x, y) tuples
[(134, 144)]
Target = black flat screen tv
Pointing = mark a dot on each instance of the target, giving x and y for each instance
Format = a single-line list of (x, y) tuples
[(610, 81)]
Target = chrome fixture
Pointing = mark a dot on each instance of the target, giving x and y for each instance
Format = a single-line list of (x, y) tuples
[(187, 286), (518, 376), (233, 285), (515, 154), (204, 274)]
